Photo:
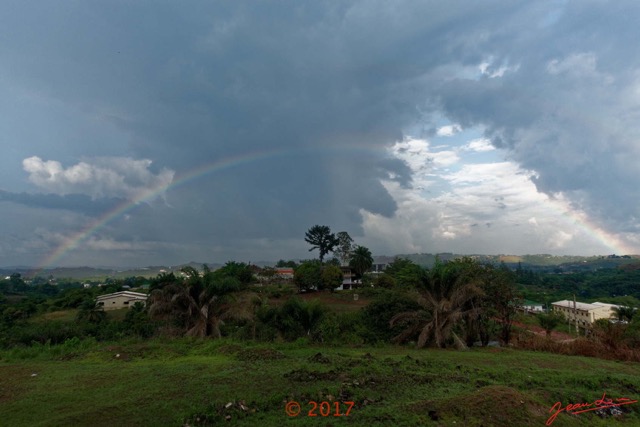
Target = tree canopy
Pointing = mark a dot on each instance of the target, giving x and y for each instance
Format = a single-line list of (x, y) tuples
[(321, 238), (344, 247)]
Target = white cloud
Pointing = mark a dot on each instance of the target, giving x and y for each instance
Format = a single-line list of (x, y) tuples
[(100, 177), (559, 239), (489, 207), (109, 244), (449, 130), (418, 155), (498, 175), (479, 145), (490, 69), (577, 64)]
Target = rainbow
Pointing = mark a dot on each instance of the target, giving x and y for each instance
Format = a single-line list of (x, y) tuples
[(219, 165), (577, 219), (567, 213)]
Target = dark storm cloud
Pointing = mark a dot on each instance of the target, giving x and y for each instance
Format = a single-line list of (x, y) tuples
[(196, 86), (568, 107), (329, 84), (78, 203)]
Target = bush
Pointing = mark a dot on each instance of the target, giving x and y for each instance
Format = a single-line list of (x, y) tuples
[(549, 321), (578, 347), (308, 276), (45, 333), (295, 319), (342, 329), (376, 316)]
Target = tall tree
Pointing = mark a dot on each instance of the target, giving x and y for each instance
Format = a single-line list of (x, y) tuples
[(344, 248), (321, 238), (361, 260), (499, 302)]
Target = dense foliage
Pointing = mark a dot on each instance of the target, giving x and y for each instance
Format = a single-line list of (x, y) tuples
[(460, 303)]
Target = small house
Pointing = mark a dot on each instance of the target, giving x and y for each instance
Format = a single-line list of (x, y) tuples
[(532, 307), (118, 300), (285, 273)]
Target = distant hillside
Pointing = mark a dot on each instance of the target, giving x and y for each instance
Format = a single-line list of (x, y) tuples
[(540, 262)]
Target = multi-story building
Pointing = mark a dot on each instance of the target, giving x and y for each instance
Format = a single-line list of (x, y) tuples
[(584, 313)]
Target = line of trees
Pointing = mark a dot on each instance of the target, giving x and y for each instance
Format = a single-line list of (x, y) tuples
[(458, 303)]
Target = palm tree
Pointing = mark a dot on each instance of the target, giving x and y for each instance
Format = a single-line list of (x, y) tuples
[(361, 260), (198, 304), (444, 296), (624, 314), (89, 311)]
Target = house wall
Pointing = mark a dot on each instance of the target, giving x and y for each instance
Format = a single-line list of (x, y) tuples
[(602, 313), (119, 301), (584, 317)]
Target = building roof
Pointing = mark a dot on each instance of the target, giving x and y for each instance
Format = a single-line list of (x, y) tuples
[(527, 303), (584, 306), (130, 294), (611, 306)]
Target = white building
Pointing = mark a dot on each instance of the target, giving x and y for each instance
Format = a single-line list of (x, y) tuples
[(532, 307), (117, 300), (584, 313)]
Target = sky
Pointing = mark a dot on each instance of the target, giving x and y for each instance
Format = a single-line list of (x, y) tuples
[(160, 132)]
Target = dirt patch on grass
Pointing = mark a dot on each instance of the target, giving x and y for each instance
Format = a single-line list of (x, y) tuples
[(304, 375), (257, 354), (555, 335), (230, 349), (60, 315), (495, 405), (319, 358), (14, 382)]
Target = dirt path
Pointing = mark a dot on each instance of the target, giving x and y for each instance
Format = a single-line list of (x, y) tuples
[(555, 335)]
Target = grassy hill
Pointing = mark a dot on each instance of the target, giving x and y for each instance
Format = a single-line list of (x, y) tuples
[(186, 382)]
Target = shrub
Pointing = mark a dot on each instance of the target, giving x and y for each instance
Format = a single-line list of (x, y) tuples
[(50, 332), (342, 329), (376, 316), (296, 318)]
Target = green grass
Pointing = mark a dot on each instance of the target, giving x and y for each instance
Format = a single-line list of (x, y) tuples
[(338, 302), (168, 383)]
